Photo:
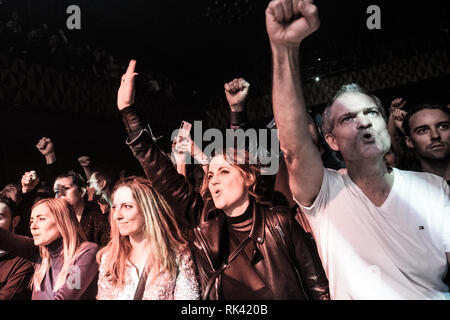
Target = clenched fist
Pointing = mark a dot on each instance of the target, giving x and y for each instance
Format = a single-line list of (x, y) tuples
[(85, 161), (45, 146), (288, 22), (236, 92)]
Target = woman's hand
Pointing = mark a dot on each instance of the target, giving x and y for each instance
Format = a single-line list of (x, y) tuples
[(126, 93)]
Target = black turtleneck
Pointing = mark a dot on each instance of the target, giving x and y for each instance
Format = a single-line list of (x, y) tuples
[(241, 280), (242, 222)]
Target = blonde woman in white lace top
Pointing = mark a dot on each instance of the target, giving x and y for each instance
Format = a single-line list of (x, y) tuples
[(144, 233)]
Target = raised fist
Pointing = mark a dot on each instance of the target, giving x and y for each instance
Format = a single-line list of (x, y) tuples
[(288, 22), (396, 109), (29, 181), (45, 146), (399, 114), (397, 103), (236, 92), (85, 161), (126, 93)]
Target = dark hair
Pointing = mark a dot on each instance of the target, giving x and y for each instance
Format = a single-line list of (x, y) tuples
[(108, 174), (11, 205), (77, 179), (327, 123), (418, 108)]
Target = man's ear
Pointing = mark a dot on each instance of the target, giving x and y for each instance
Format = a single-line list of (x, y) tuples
[(408, 142), (15, 222), (102, 184), (331, 140)]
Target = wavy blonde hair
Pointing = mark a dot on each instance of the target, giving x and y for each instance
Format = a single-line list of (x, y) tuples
[(166, 238), (74, 241)]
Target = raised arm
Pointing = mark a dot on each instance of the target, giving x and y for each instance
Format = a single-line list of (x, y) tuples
[(288, 23), (236, 92), (85, 163), (47, 148), (157, 166), (394, 126)]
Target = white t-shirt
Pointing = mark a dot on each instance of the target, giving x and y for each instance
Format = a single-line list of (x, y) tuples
[(395, 251)]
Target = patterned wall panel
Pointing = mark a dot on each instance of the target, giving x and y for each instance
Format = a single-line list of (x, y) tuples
[(388, 75), (29, 84)]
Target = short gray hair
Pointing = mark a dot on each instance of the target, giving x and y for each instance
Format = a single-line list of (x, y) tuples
[(327, 122)]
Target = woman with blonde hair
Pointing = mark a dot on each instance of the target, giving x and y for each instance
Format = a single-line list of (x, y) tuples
[(65, 266), (147, 257)]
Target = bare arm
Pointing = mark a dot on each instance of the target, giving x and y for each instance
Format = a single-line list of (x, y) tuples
[(286, 31), (396, 116)]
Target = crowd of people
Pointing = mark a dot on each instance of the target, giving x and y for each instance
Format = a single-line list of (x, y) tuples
[(359, 208)]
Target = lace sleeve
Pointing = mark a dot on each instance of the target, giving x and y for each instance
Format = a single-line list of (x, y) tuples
[(105, 287), (186, 286)]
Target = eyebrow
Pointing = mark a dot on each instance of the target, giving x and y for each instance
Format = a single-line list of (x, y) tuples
[(427, 125), (39, 215), (421, 127), (121, 203), (220, 168), (354, 113)]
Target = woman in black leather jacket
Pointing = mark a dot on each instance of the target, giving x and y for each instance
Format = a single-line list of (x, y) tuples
[(243, 249)]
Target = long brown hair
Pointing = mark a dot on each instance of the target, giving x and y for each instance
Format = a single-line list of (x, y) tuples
[(166, 239), (73, 238)]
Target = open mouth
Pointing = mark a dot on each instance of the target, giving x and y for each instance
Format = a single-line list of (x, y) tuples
[(368, 137), (216, 193)]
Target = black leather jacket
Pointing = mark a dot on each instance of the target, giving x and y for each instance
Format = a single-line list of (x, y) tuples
[(290, 266)]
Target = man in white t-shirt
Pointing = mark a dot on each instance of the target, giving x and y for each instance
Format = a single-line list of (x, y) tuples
[(381, 233)]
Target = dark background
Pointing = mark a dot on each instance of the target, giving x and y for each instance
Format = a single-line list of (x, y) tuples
[(199, 45)]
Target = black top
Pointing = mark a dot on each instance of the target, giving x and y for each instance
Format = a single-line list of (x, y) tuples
[(241, 280), (95, 224)]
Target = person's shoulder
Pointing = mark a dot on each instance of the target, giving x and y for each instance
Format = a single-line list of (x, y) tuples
[(281, 213), (418, 179), (19, 263), (88, 248)]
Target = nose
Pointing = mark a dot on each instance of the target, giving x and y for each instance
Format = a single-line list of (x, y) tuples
[(435, 134), (33, 225), (117, 215), (215, 180), (363, 121)]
